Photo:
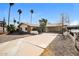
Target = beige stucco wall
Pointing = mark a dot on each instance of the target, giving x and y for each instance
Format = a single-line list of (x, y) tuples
[(54, 29), (1, 30), (23, 27), (29, 28)]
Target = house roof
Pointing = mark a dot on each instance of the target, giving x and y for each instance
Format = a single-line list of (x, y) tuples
[(34, 25), (54, 24), (1, 22), (37, 25), (75, 30), (73, 27), (48, 25)]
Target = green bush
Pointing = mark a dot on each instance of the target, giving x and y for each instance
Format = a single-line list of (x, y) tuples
[(10, 28), (39, 30), (35, 29)]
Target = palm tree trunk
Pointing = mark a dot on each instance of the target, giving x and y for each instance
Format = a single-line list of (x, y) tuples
[(62, 24), (19, 18), (3, 27), (14, 23), (31, 19), (9, 15)]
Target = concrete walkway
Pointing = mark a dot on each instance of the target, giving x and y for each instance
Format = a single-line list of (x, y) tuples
[(27, 46)]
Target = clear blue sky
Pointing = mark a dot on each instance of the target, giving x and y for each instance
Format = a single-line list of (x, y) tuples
[(50, 11)]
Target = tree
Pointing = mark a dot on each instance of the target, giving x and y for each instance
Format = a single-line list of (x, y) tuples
[(43, 23), (14, 21), (18, 22), (31, 11), (11, 28), (10, 5), (20, 12)]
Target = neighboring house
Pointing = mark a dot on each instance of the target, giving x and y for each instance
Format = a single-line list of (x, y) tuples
[(1, 29), (23, 26), (57, 27), (1, 26), (73, 28), (27, 27)]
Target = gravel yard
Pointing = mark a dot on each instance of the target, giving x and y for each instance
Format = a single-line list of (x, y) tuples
[(61, 47)]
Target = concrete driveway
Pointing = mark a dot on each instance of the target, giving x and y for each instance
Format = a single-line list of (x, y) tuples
[(27, 46)]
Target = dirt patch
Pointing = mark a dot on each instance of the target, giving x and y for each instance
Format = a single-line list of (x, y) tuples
[(61, 47), (47, 52)]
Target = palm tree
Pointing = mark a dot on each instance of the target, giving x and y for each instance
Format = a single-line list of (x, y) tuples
[(14, 21), (11, 4), (43, 23), (20, 12), (18, 22), (31, 11)]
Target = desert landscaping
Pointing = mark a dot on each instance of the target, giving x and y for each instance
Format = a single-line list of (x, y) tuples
[(35, 29)]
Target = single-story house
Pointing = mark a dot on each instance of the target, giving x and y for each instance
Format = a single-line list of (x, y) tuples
[(57, 27), (27, 27)]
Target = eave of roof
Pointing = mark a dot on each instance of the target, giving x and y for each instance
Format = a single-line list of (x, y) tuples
[(48, 25)]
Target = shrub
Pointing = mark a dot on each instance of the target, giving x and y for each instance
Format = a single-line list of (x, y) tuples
[(35, 29), (11, 28), (39, 30)]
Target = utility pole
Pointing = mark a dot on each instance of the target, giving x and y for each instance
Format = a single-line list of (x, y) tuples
[(67, 21), (62, 17)]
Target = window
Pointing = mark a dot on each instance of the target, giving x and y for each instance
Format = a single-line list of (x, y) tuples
[(25, 28)]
